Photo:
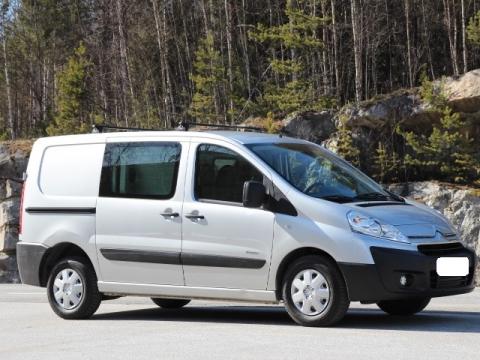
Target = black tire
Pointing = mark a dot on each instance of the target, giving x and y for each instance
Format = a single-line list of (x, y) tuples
[(338, 303), (403, 307), (170, 303), (91, 298)]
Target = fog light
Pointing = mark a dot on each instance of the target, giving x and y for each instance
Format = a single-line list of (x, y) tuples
[(406, 280)]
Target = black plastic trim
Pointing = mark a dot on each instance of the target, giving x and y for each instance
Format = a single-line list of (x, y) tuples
[(173, 258), (61, 210), (381, 203), (221, 261), (29, 258), (155, 257)]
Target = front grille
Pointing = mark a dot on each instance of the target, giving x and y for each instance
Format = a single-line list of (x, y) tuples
[(448, 282), (439, 249)]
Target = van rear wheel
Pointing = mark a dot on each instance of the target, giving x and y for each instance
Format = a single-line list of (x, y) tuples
[(403, 307), (314, 292), (170, 303), (72, 289)]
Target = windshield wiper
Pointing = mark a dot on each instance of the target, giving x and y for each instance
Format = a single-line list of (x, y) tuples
[(394, 196), (376, 196), (338, 198)]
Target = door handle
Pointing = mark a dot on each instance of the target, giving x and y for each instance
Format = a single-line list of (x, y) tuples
[(170, 215), (194, 216)]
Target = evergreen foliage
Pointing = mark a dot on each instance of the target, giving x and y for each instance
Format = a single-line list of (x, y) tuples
[(345, 145), (207, 78), (387, 164), (297, 37), (71, 117), (447, 151), (473, 29)]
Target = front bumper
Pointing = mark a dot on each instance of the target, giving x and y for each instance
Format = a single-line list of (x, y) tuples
[(381, 281), (29, 259)]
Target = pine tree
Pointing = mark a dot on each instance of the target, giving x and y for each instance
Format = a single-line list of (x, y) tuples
[(473, 29), (386, 163), (71, 117), (207, 78), (447, 150), (297, 36), (345, 145)]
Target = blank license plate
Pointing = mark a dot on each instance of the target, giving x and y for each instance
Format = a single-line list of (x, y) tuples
[(452, 266)]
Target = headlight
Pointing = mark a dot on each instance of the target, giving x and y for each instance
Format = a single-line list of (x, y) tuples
[(369, 226)]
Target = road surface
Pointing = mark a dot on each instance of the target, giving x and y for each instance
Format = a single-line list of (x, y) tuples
[(134, 328)]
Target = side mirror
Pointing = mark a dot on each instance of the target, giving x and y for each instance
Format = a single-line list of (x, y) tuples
[(254, 194)]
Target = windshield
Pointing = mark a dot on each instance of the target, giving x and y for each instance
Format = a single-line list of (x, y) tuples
[(318, 173)]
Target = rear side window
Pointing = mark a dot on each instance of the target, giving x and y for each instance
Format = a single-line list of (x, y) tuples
[(140, 170), (220, 174), (71, 170)]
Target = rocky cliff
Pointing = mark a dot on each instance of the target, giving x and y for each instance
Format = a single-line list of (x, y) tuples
[(13, 162), (460, 204)]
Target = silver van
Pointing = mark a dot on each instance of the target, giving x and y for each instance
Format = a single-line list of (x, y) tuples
[(225, 215)]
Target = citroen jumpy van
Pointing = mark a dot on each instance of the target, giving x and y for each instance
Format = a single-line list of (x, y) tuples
[(227, 215)]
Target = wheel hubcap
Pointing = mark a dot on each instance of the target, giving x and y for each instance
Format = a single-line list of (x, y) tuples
[(310, 292), (68, 289)]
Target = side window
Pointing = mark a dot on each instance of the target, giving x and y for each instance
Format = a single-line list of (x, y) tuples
[(220, 174), (140, 170)]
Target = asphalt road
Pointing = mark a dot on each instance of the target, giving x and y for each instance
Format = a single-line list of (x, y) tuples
[(134, 328)]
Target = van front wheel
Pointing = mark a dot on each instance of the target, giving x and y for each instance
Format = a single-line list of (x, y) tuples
[(72, 289), (314, 292)]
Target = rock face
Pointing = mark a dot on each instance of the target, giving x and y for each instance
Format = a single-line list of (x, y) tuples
[(312, 126), (463, 95), (459, 204), (13, 162), (463, 92)]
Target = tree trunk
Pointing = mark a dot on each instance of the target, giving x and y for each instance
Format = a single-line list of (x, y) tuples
[(409, 50), (165, 111), (464, 41), (125, 72), (244, 40), (335, 52), (452, 36), (426, 40), (326, 78), (228, 30), (11, 121), (357, 50)]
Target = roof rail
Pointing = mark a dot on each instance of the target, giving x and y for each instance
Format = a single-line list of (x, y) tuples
[(105, 128), (184, 125)]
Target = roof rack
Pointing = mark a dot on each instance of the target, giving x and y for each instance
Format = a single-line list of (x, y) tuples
[(108, 128), (184, 125)]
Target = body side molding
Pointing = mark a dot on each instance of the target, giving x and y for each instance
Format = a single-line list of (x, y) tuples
[(176, 258), (61, 210), (155, 257)]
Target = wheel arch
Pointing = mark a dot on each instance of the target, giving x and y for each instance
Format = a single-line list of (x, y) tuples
[(293, 256), (56, 253)]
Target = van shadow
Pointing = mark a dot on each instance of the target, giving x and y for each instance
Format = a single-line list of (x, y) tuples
[(369, 319)]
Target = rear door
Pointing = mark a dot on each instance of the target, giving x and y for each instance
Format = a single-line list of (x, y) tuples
[(138, 230)]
